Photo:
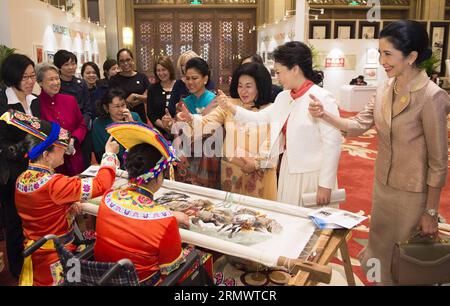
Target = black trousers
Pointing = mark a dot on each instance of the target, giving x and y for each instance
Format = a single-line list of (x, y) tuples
[(87, 147), (13, 229)]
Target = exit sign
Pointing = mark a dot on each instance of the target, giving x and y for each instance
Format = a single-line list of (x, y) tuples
[(196, 2)]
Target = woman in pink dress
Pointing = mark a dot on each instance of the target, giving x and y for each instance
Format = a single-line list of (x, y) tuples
[(64, 110)]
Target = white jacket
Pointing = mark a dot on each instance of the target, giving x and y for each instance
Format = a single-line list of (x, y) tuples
[(312, 144)]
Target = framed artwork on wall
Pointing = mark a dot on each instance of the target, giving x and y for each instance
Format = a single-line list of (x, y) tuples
[(369, 30), (439, 41), (320, 30), (344, 30), (39, 53), (372, 56), (50, 55), (370, 73)]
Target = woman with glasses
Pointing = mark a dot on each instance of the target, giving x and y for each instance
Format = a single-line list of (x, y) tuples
[(112, 108), (64, 110), (133, 83), (17, 73)]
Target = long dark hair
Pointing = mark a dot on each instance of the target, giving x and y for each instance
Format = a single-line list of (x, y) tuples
[(297, 53), (140, 159), (262, 79), (408, 36)]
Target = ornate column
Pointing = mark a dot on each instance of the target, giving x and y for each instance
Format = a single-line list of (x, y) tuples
[(301, 21)]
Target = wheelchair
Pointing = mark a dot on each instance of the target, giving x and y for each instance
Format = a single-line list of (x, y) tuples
[(121, 273)]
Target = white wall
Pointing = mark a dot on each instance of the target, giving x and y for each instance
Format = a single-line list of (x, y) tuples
[(31, 24), (111, 29), (5, 36), (336, 77)]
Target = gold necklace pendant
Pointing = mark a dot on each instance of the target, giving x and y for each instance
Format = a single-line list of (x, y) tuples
[(395, 88)]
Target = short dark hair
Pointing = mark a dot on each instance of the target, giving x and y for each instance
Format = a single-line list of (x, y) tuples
[(93, 65), (360, 77), (108, 64), (262, 79), (297, 53), (13, 68), (408, 36), (140, 159), (62, 57), (166, 62), (200, 65), (254, 58), (107, 99), (124, 50)]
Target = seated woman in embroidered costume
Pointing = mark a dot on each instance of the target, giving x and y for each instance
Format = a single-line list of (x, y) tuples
[(129, 223), (45, 200)]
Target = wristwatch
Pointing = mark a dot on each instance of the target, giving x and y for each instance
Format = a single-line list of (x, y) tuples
[(431, 211)]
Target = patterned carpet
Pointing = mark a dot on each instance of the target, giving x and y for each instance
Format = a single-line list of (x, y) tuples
[(355, 174)]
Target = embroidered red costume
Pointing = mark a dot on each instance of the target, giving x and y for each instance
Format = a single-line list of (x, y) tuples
[(43, 201), (130, 225)]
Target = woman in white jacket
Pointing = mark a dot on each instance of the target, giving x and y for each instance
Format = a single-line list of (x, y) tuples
[(311, 147)]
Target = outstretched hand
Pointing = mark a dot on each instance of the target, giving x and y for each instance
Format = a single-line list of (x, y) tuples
[(224, 102), (167, 120), (184, 115), (315, 107), (111, 146)]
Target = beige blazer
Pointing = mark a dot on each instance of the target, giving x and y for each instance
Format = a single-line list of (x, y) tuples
[(412, 134)]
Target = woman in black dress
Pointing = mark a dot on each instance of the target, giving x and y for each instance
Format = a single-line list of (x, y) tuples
[(135, 84)]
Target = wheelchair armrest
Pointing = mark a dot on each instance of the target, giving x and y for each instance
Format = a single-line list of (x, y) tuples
[(114, 270), (176, 275), (36, 245), (87, 253)]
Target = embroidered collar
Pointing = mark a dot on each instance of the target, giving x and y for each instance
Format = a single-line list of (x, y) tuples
[(40, 168), (141, 190)]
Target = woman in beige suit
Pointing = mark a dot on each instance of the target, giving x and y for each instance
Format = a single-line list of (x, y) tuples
[(245, 167), (410, 115)]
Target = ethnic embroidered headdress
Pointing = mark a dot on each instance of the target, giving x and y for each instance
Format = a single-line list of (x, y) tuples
[(50, 133), (129, 134)]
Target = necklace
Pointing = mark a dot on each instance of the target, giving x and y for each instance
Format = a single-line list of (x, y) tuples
[(396, 91)]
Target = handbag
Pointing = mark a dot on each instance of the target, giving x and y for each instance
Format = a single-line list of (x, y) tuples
[(421, 261)]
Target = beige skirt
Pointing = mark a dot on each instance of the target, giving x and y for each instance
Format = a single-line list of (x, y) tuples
[(291, 186), (395, 216)]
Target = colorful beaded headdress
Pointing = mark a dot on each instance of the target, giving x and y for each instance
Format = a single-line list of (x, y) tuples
[(129, 134), (50, 133)]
